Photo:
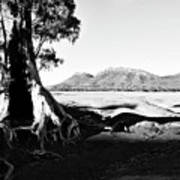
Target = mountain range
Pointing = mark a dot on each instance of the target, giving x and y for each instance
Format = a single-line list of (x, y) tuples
[(119, 79)]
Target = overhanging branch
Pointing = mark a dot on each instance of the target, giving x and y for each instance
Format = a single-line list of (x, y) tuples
[(5, 39), (42, 41)]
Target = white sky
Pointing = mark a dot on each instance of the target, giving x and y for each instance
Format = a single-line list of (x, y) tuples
[(143, 34)]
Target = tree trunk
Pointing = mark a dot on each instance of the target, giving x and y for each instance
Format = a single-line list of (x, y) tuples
[(26, 106), (20, 105), (29, 106)]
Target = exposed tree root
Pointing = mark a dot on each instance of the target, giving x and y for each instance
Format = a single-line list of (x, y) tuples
[(51, 154), (48, 113), (8, 167), (4, 103), (51, 124)]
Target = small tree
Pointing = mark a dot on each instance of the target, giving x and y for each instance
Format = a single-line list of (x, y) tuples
[(25, 101)]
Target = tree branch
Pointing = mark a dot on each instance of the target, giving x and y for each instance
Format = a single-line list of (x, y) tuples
[(5, 39), (42, 41)]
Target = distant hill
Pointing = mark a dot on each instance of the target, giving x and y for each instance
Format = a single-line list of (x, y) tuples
[(120, 79)]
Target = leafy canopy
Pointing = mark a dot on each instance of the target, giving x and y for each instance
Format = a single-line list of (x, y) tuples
[(44, 21)]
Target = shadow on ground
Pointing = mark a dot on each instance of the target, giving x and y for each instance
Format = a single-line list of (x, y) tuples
[(109, 159), (104, 156)]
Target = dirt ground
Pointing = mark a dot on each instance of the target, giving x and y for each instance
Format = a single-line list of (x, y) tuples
[(109, 157)]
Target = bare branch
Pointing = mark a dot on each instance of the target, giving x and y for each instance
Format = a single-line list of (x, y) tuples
[(5, 38), (42, 41)]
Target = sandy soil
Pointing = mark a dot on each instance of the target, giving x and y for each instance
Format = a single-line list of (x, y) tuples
[(155, 104)]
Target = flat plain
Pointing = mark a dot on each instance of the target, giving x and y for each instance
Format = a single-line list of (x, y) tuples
[(147, 103)]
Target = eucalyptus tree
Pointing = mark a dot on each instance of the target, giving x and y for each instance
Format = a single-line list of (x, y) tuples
[(26, 27)]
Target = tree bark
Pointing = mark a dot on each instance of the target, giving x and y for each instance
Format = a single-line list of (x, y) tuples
[(26, 105), (29, 105)]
